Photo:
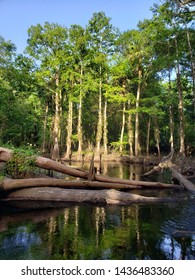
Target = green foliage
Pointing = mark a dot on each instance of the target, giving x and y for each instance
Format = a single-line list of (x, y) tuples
[(82, 64), (20, 164)]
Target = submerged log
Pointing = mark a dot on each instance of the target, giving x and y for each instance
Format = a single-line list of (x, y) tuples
[(46, 163), (83, 196)]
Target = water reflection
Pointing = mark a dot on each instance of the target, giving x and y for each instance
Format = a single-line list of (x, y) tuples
[(160, 231), (88, 232)]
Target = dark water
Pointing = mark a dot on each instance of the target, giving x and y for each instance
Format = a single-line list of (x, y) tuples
[(150, 231)]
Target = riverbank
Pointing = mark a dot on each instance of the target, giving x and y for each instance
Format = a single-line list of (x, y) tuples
[(115, 157)]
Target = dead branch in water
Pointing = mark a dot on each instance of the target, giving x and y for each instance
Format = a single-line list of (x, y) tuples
[(167, 163)]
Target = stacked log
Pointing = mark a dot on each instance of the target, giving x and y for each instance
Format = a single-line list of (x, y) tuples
[(103, 189)]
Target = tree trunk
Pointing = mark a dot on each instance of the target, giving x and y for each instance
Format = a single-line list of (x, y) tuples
[(183, 181), (148, 137), (122, 129), (157, 135), (69, 130), (79, 128), (137, 143), (130, 130), (13, 184), (45, 128), (192, 67), (105, 129), (180, 105), (82, 196), (171, 118), (99, 124), (55, 151)]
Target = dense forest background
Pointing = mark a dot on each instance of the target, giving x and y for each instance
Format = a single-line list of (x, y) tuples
[(81, 89)]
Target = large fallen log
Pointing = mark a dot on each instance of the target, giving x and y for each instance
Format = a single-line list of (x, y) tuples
[(46, 163), (14, 184), (83, 196)]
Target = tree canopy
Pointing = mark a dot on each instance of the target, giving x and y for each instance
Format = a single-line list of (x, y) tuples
[(77, 89)]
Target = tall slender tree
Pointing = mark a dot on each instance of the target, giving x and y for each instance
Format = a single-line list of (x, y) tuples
[(101, 43), (48, 45)]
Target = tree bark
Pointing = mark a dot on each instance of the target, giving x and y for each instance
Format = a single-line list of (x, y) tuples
[(79, 127), (56, 132), (157, 135), (180, 105), (99, 124), (105, 128), (45, 127), (183, 181), (148, 137), (69, 130), (122, 128), (137, 143), (13, 184), (192, 67), (130, 130), (83, 196), (171, 115)]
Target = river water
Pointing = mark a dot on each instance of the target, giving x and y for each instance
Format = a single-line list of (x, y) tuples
[(163, 231)]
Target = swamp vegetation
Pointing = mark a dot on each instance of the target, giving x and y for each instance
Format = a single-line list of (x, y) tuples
[(100, 96)]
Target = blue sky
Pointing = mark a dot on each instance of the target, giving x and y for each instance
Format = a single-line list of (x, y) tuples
[(16, 16)]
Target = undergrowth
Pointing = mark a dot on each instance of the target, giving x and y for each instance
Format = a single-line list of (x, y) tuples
[(20, 164)]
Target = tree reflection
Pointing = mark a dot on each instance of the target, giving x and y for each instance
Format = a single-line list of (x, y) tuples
[(103, 232)]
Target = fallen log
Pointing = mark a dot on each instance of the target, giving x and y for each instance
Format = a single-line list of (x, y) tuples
[(48, 164), (13, 184), (183, 181), (83, 196), (107, 179)]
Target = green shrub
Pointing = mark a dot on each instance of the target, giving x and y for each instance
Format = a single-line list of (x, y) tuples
[(20, 164)]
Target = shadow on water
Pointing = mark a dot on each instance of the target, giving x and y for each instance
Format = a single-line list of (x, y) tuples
[(67, 231)]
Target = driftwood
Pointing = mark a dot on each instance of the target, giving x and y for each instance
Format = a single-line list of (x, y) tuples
[(84, 196), (167, 163), (46, 163)]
